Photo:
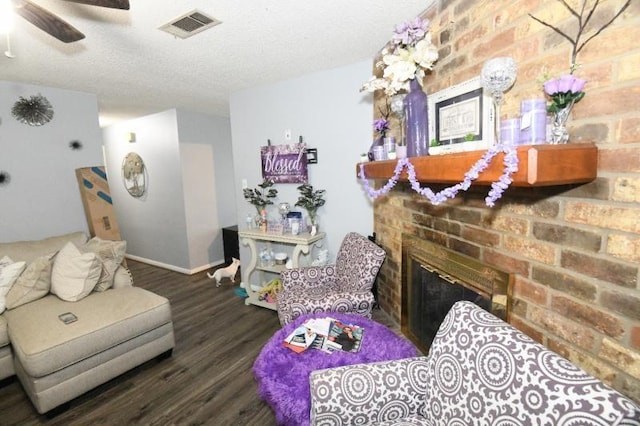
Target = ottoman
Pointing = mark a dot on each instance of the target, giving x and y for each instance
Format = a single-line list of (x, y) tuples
[(283, 375), (115, 331)]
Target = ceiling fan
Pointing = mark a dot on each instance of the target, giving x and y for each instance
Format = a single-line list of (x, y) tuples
[(56, 26)]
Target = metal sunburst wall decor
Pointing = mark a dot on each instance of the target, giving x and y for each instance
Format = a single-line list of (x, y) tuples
[(35, 111), (5, 178)]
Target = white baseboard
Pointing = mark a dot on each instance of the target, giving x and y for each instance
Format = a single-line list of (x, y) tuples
[(173, 267), (254, 287)]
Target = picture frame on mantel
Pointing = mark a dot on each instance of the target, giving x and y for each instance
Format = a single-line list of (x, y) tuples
[(461, 118)]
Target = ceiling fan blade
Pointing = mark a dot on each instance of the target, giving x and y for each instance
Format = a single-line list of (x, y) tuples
[(48, 22), (113, 4)]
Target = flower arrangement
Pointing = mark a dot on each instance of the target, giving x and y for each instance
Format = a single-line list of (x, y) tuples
[(310, 200), (567, 90), (405, 58), (564, 92), (261, 197)]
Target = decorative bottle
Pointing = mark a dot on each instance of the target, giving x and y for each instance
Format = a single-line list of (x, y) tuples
[(263, 220), (415, 110)]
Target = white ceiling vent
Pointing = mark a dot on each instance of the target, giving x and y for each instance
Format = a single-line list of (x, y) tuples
[(189, 24)]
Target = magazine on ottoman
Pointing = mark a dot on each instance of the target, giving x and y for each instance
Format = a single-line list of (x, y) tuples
[(326, 334)]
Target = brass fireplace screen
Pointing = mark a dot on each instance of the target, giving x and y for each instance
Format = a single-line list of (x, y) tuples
[(435, 277)]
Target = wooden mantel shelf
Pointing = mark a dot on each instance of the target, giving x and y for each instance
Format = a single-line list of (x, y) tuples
[(539, 165)]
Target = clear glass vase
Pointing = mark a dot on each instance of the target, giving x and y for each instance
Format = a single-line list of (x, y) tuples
[(559, 132), (313, 225)]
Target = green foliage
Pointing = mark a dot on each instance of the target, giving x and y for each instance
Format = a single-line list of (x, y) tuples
[(469, 137), (261, 197), (310, 200), (434, 142)]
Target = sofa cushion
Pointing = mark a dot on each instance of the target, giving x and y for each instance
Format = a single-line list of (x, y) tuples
[(74, 274), (4, 335), (110, 254), (32, 284), (7, 368), (9, 273), (30, 250), (396, 388), (44, 344)]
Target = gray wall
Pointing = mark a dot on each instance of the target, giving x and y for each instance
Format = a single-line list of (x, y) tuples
[(207, 169), (43, 198), (177, 223), (328, 110)]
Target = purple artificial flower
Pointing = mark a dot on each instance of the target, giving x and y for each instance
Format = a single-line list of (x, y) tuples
[(578, 85), (401, 34), (409, 33), (381, 125), (564, 91), (565, 83), (551, 87)]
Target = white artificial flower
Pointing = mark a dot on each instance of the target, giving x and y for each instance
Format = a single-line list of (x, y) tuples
[(400, 67), (397, 86), (406, 60), (374, 84), (424, 54)]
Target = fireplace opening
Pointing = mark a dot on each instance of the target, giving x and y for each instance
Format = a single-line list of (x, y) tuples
[(435, 277)]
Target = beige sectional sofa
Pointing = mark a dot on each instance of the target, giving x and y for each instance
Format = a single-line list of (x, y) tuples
[(111, 326)]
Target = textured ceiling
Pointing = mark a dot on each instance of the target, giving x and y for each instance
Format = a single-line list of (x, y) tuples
[(135, 69)]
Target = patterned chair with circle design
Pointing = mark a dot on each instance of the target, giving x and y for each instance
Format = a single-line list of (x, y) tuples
[(343, 287), (479, 371)]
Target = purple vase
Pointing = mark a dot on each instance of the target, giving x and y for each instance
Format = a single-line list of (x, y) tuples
[(415, 112), (378, 142)]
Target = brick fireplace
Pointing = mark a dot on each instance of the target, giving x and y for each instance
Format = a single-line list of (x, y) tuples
[(564, 295), (573, 250)]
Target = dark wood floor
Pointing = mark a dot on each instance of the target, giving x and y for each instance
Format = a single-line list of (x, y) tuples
[(207, 381)]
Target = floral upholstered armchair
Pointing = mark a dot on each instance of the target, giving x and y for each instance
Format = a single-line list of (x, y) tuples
[(343, 287), (479, 371)]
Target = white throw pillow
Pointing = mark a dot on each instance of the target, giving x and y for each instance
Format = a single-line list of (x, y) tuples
[(74, 274), (9, 273), (123, 278), (33, 284)]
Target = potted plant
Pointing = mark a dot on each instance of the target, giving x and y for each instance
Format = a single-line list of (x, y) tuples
[(311, 200), (261, 197)]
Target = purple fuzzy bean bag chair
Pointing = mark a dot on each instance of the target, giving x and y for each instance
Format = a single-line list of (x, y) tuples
[(283, 375)]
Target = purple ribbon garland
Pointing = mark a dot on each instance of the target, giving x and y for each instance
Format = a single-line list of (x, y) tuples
[(497, 187)]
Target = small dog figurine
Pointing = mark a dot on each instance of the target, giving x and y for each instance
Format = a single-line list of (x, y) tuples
[(228, 272)]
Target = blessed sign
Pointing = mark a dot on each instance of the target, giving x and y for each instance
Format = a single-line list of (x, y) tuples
[(284, 163)]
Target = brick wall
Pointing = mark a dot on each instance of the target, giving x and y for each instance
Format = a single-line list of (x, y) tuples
[(574, 250)]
